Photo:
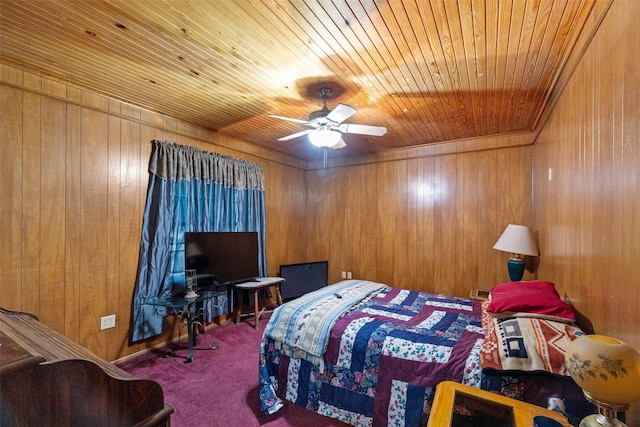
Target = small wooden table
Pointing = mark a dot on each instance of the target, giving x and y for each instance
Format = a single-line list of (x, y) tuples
[(256, 286), (457, 400)]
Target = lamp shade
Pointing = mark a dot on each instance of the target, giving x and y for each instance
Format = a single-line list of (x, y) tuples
[(324, 137), (517, 239), (606, 369)]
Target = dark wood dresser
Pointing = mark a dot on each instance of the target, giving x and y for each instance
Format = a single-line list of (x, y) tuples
[(48, 380)]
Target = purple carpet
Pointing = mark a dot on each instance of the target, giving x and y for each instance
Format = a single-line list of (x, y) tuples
[(220, 387)]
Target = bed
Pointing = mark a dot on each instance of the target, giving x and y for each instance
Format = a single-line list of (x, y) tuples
[(369, 354)]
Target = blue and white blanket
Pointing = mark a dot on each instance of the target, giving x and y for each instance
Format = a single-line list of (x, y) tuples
[(303, 325)]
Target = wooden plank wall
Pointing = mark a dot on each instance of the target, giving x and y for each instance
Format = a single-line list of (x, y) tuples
[(423, 219), (588, 213), (74, 179)]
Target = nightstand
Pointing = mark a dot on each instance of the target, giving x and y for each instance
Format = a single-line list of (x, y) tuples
[(457, 405), (479, 294)]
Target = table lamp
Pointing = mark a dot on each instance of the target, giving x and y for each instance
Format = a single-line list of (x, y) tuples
[(191, 285), (518, 240), (608, 372)]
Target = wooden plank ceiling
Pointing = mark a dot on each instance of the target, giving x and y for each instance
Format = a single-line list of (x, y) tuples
[(430, 71)]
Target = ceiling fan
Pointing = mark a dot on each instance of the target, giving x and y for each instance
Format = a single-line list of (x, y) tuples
[(327, 125)]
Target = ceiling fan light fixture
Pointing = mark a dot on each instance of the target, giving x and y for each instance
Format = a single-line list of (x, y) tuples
[(324, 137)]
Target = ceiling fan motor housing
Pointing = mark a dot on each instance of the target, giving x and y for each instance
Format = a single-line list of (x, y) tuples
[(318, 115)]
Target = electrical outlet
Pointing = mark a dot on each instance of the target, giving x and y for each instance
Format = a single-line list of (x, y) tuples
[(107, 322), (344, 274), (349, 275)]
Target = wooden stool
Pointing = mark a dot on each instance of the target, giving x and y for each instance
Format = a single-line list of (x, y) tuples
[(261, 283)]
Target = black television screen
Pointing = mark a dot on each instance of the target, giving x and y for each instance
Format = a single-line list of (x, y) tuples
[(222, 257), (303, 278)]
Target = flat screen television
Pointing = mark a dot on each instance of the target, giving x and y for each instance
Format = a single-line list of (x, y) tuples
[(221, 258), (302, 278)]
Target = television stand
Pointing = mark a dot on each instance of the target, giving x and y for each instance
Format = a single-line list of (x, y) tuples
[(257, 285)]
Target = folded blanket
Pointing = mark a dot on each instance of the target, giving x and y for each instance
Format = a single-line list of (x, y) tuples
[(525, 344), (305, 323)]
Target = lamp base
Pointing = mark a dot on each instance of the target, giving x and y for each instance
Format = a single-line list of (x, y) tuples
[(191, 296), (608, 414), (598, 420), (515, 266)]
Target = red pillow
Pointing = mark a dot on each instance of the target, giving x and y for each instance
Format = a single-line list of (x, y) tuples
[(529, 299)]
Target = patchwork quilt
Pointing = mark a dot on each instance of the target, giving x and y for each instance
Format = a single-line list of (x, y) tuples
[(382, 361)]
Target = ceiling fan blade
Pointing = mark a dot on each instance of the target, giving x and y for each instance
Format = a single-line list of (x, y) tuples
[(295, 135), (341, 113), (304, 122), (363, 129)]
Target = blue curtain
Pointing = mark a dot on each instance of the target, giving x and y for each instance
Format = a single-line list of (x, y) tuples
[(190, 190)]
